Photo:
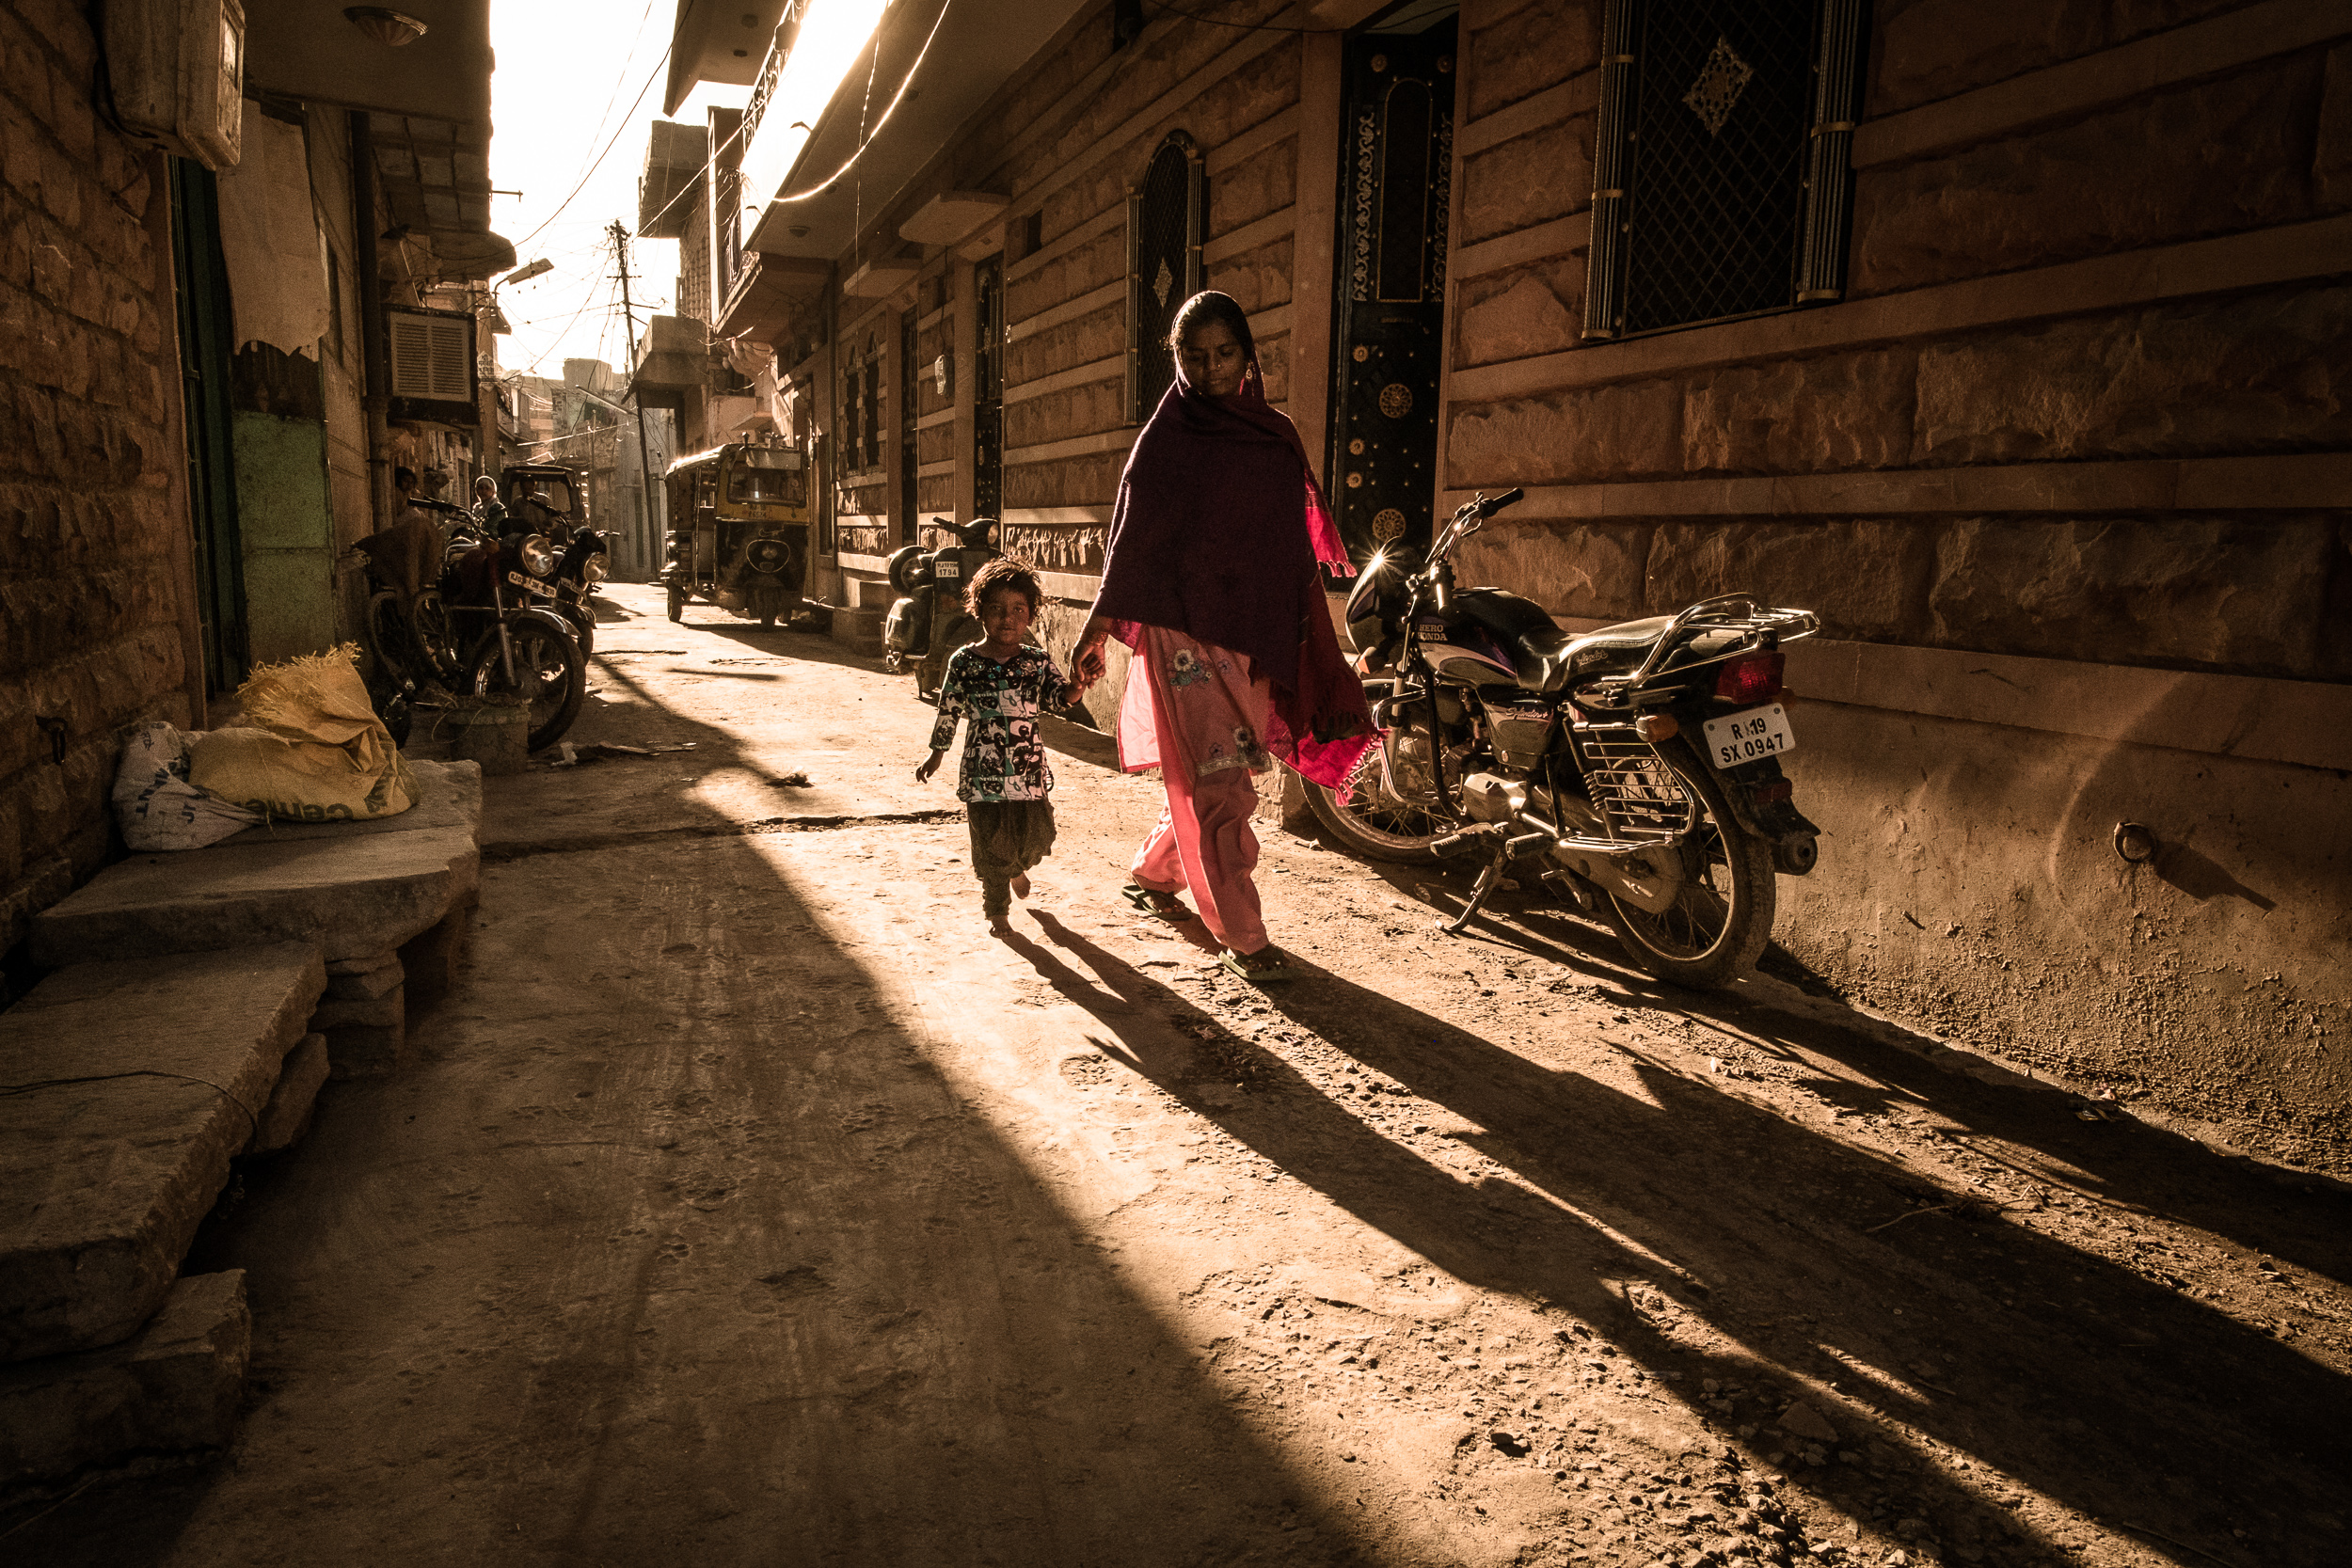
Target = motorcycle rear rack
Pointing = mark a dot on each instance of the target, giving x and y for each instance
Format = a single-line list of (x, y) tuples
[(1715, 614)]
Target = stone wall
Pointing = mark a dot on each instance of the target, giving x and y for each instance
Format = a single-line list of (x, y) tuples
[(2080, 405), (95, 585)]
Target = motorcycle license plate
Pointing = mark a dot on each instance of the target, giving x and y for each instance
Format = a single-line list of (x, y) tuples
[(1749, 736), (545, 590), (947, 571)]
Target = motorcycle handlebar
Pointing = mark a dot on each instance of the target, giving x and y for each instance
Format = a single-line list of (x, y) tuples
[(1508, 498)]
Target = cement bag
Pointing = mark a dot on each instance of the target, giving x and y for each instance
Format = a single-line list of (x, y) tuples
[(158, 807), (311, 749)]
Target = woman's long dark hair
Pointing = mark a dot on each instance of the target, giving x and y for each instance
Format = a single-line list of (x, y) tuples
[(1204, 307)]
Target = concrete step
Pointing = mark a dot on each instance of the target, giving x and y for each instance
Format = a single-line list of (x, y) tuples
[(155, 1072), (357, 889), (171, 1388)]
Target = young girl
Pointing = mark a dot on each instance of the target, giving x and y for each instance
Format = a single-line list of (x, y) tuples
[(1001, 682)]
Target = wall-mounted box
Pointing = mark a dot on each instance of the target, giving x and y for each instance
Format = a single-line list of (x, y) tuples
[(176, 72)]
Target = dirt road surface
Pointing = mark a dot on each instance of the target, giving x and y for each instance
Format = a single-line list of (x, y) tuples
[(749, 1204)]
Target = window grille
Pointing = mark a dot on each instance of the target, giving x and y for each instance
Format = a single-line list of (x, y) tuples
[(1165, 218), (871, 457), (1721, 181), (988, 387)]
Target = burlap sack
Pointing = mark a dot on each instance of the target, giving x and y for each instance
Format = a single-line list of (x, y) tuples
[(311, 750)]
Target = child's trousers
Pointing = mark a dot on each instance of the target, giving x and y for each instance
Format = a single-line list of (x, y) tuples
[(1008, 838)]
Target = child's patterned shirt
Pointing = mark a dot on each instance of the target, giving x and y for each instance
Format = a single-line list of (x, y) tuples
[(1003, 759)]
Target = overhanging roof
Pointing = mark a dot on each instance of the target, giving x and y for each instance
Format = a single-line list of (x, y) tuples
[(305, 49), (978, 46), (718, 40)]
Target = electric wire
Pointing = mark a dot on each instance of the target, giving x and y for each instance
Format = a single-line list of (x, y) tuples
[(896, 98), (617, 132)]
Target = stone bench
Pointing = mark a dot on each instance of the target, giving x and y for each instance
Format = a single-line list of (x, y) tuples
[(133, 1084), (386, 902)]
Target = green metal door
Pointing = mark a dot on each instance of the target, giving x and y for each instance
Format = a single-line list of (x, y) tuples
[(200, 278)]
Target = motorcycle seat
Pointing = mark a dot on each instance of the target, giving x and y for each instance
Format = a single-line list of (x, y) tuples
[(1611, 650)]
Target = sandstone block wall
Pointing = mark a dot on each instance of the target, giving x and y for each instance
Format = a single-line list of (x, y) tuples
[(1064, 140), (1988, 450), (93, 532)]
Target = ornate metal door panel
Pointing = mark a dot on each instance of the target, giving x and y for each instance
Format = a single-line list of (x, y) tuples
[(1396, 178), (988, 389)]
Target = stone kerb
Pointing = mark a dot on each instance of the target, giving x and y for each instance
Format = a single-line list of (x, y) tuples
[(153, 1074)]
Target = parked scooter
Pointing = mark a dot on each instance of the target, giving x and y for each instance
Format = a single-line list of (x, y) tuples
[(929, 622), (1635, 769)]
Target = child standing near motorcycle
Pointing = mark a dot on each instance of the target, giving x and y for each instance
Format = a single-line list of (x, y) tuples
[(1001, 683)]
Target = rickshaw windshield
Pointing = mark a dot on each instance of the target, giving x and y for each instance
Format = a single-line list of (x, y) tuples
[(769, 476), (554, 494)]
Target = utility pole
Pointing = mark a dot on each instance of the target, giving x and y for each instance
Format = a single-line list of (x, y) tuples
[(629, 315)]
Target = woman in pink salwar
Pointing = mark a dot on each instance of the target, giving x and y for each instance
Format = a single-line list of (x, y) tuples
[(1213, 581)]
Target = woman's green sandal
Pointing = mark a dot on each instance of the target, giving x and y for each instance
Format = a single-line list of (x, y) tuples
[(1267, 966), (1157, 902)]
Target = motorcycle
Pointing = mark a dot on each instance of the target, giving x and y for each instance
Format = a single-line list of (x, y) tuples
[(569, 585), (487, 639), (1635, 769), (929, 622)]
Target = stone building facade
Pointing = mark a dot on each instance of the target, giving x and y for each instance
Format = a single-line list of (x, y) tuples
[(2050, 426), (195, 436)]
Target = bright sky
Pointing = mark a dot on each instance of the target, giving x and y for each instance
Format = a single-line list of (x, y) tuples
[(569, 74)]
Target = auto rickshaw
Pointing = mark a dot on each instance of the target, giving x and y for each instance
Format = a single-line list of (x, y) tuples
[(543, 498), (738, 530)]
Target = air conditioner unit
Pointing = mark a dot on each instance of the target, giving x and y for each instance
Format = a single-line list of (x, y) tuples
[(430, 354)]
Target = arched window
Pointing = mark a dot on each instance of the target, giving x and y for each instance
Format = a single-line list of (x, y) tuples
[(1165, 217)]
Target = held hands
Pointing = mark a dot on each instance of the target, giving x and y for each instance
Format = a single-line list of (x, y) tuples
[(923, 775)]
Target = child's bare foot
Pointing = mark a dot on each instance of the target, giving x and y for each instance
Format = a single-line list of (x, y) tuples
[(1020, 885), (999, 925)]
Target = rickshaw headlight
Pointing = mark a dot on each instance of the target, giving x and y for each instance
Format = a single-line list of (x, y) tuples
[(538, 555), (592, 569)]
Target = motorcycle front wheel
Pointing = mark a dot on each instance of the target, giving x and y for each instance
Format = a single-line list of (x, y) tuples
[(547, 673), (1719, 922), (677, 604), (1370, 822)]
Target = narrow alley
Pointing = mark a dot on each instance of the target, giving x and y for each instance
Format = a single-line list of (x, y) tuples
[(747, 1203)]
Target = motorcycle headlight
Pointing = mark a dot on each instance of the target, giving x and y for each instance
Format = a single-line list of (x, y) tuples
[(538, 555), (592, 569)]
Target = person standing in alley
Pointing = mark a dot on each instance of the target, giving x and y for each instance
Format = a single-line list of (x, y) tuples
[(1001, 683), (1211, 579), (488, 509)]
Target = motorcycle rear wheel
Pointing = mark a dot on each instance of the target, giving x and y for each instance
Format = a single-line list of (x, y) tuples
[(1374, 824), (547, 671), (1718, 925)]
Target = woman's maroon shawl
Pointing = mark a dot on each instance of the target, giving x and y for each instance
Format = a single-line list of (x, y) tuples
[(1218, 532)]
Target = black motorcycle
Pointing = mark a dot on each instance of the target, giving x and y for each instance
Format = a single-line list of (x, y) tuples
[(486, 638), (929, 621), (1634, 770), (569, 585)]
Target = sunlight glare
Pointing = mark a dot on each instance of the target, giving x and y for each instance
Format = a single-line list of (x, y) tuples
[(831, 42)]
